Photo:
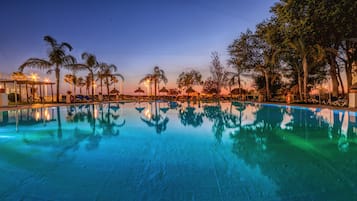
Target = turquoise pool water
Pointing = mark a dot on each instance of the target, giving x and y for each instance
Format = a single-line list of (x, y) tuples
[(161, 151)]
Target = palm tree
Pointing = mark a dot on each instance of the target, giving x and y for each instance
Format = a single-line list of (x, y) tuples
[(106, 74), (157, 76), (89, 84), (71, 80), (91, 64), (81, 83), (57, 58)]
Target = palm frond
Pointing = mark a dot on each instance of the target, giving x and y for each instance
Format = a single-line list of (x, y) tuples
[(36, 63), (113, 67), (119, 75), (64, 44), (146, 77), (50, 40), (75, 67), (49, 71), (69, 60)]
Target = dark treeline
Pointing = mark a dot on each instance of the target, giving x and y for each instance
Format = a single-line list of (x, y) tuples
[(306, 42)]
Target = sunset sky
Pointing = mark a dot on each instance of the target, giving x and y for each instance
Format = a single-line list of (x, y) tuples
[(134, 35)]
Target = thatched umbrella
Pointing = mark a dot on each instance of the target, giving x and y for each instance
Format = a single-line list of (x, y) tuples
[(163, 90), (190, 90), (174, 92), (139, 90), (114, 91)]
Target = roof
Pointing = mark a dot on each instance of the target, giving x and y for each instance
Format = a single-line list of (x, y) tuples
[(27, 82)]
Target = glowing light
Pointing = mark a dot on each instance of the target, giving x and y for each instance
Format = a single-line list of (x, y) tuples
[(34, 76), (95, 113), (147, 112), (37, 116), (47, 115)]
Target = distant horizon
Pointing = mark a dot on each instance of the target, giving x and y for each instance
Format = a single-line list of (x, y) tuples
[(135, 36)]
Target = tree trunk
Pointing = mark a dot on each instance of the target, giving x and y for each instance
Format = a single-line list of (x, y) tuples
[(107, 83), (306, 75), (155, 82), (300, 86), (340, 80), (349, 76), (348, 64), (57, 71), (92, 83), (266, 75), (333, 74), (101, 84), (74, 88)]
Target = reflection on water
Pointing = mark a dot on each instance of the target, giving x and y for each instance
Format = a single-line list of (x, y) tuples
[(155, 117), (259, 120), (240, 150)]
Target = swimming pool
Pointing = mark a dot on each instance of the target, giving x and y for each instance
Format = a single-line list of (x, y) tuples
[(160, 151)]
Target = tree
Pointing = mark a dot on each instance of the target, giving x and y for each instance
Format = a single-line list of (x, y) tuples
[(239, 60), (217, 72), (91, 64), (57, 58), (71, 80), (157, 76), (314, 32), (304, 50), (81, 83), (107, 73), (187, 79), (210, 86), (89, 83)]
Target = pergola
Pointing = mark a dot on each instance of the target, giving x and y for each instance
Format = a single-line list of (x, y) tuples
[(18, 83)]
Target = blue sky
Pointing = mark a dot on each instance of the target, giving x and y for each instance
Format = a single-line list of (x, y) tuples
[(134, 35)]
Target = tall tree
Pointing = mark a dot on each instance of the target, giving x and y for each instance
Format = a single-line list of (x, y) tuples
[(91, 64), (72, 81), (81, 83), (187, 79), (310, 25), (157, 76), (106, 74), (217, 72), (57, 58), (240, 55)]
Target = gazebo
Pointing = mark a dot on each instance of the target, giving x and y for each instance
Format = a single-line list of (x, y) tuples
[(17, 85)]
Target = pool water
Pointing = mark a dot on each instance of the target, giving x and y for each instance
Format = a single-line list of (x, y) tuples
[(160, 151)]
